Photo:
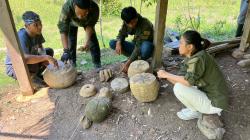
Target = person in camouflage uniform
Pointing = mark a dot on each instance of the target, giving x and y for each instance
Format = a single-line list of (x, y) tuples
[(200, 85), (241, 17), (142, 45), (74, 14)]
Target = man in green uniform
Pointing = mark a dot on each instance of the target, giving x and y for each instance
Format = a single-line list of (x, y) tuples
[(79, 13), (142, 29)]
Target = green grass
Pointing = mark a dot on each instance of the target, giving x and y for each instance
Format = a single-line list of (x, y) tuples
[(212, 14), (4, 80), (107, 57)]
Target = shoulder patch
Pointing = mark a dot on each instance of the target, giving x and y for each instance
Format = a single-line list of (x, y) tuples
[(191, 67), (193, 60)]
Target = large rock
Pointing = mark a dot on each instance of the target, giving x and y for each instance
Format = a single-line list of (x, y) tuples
[(97, 109), (105, 92), (144, 87), (62, 77), (244, 63), (237, 53), (211, 127), (105, 75), (120, 85), (138, 66), (86, 123), (87, 90), (246, 56)]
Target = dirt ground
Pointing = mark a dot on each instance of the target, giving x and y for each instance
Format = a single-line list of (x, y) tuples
[(56, 116)]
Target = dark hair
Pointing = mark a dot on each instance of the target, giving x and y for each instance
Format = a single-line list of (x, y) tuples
[(83, 4), (128, 13), (30, 16), (194, 38)]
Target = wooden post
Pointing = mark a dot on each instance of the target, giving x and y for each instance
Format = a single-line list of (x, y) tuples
[(12, 43), (159, 30), (245, 39)]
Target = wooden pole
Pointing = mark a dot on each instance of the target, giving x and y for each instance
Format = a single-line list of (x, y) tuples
[(13, 46), (160, 21), (245, 39)]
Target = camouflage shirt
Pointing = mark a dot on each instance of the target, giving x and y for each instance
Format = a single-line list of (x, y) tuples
[(68, 17), (202, 71), (143, 31)]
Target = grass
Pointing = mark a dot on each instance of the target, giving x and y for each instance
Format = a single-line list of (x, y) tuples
[(4, 80), (217, 22)]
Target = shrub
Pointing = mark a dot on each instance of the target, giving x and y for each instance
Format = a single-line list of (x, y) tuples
[(111, 7)]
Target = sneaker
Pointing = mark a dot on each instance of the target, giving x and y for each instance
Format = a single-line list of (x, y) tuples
[(188, 114)]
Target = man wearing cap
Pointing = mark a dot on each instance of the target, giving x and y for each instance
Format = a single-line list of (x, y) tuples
[(31, 40), (74, 14), (142, 45)]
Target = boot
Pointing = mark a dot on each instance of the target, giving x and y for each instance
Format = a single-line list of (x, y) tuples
[(239, 30)]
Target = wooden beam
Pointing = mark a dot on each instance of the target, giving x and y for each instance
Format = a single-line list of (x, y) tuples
[(160, 21), (13, 46), (245, 39), (235, 40), (221, 47)]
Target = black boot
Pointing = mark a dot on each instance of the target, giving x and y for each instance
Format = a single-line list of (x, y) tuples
[(239, 30)]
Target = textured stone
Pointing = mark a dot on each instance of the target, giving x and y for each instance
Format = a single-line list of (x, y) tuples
[(144, 87), (97, 109), (244, 63), (211, 126), (62, 77), (87, 90), (86, 123), (246, 56), (105, 75), (105, 92), (237, 53), (137, 67), (120, 85)]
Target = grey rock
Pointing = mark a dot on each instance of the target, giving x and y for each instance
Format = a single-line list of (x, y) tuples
[(211, 127)]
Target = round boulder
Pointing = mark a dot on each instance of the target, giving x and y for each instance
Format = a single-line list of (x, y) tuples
[(97, 109), (105, 92), (87, 90), (120, 85), (62, 77), (144, 87), (211, 127), (138, 66)]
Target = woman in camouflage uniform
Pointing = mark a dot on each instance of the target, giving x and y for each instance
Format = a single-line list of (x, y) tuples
[(200, 86)]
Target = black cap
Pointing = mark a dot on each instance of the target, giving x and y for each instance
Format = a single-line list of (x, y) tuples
[(83, 4)]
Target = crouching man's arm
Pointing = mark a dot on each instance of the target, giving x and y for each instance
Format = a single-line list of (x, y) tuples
[(34, 59)]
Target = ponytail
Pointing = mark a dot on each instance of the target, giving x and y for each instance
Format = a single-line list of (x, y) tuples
[(205, 43), (194, 38)]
